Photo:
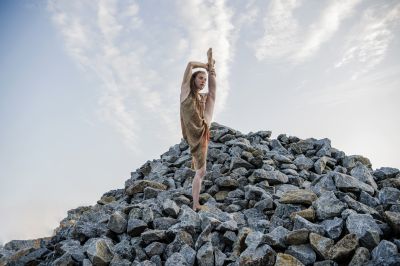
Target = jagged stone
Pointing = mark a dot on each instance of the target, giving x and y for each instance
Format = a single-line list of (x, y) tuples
[(383, 251), (308, 214), (348, 183), (286, 260), (205, 255), (300, 196), (303, 253), (297, 237), (136, 227), (139, 186), (257, 255), (99, 251), (366, 229), (393, 219), (171, 208), (344, 247), (300, 222), (321, 244), (117, 222), (333, 227), (385, 173), (389, 195), (328, 206), (361, 257)]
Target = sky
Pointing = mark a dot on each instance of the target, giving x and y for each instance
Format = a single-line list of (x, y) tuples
[(89, 89)]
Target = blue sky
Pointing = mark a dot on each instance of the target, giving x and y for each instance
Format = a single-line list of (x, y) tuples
[(89, 89)]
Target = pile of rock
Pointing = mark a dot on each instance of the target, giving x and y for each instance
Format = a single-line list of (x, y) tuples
[(283, 201)]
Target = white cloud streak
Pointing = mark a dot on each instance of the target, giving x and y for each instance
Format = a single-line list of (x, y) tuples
[(370, 38), (324, 29), (280, 30), (284, 38)]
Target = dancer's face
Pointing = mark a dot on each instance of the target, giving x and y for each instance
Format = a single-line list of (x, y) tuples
[(200, 81)]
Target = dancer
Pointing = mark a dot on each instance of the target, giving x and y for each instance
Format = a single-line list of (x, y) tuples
[(196, 111)]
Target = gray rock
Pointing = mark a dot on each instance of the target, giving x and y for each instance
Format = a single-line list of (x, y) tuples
[(71, 247), (205, 255), (117, 222), (176, 259), (383, 251), (239, 162), (188, 253), (276, 238), (257, 255), (368, 200), (325, 263), (182, 238), (99, 251), (328, 206), (297, 237), (321, 245), (163, 223), (361, 257), (303, 253), (303, 162), (386, 172), (389, 195), (300, 196), (153, 235), (344, 247), (219, 257), (227, 182), (348, 183), (276, 177), (359, 207), (124, 250), (155, 248), (135, 227), (393, 219), (300, 222), (366, 229), (333, 227), (65, 259), (286, 259), (255, 193), (171, 208), (362, 173), (323, 184), (320, 165)]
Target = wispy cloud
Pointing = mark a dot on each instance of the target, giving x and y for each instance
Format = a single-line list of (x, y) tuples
[(284, 38), (370, 38), (325, 27), (280, 30)]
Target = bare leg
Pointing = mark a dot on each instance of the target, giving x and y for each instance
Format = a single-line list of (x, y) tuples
[(196, 186)]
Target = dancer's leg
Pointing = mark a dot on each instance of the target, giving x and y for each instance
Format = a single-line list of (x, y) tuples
[(196, 186)]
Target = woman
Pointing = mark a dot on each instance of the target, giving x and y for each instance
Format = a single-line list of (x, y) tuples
[(196, 111)]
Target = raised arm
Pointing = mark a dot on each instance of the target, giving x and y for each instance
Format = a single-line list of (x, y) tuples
[(212, 83), (188, 72)]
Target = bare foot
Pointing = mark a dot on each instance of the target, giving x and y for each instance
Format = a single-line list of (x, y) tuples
[(200, 207), (197, 207)]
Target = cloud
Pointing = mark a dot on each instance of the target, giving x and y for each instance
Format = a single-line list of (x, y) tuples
[(370, 38), (284, 38), (324, 29), (280, 30)]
